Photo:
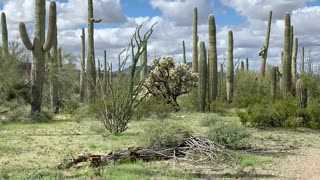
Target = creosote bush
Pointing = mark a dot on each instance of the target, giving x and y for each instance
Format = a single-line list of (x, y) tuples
[(232, 136), (164, 133)]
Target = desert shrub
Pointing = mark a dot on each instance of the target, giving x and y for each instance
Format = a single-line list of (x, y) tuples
[(249, 90), (40, 117), (162, 134), (293, 122), (268, 115), (232, 136), (219, 106), (82, 113), (70, 105), (153, 105), (189, 102), (313, 110), (209, 120)]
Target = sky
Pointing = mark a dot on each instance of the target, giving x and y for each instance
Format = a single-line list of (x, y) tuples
[(246, 18)]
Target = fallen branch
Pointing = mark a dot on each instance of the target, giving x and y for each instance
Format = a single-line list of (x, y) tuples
[(183, 151)]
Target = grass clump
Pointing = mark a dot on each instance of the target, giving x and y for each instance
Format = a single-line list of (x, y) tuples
[(245, 160), (232, 136), (209, 120), (162, 134)]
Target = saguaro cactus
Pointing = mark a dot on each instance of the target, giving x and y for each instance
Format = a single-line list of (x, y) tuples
[(105, 74), (91, 65), (212, 59), (294, 60), (273, 82), (5, 50), (184, 59), (55, 75), (286, 68), (230, 71), (301, 93), (302, 61), (264, 51), (144, 61), (247, 64), (83, 70), (202, 77), (195, 41), (39, 47)]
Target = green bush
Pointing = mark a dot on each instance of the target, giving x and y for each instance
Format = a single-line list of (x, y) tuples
[(153, 106), (209, 120), (313, 110), (232, 136), (162, 134), (269, 115), (293, 122), (40, 117), (70, 105), (189, 102)]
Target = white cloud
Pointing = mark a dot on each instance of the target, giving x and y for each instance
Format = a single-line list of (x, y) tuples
[(181, 11)]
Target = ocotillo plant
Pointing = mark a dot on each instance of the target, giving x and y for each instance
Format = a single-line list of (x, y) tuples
[(54, 75), (91, 65), (286, 67), (98, 79), (302, 61), (83, 70), (144, 63), (294, 60), (39, 47), (5, 50), (301, 93), (202, 86), (230, 71), (273, 83), (212, 59), (247, 64), (265, 50), (195, 41), (105, 74), (184, 59)]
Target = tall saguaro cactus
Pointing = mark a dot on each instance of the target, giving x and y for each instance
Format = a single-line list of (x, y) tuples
[(55, 75), (247, 64), (202, 77), (39, 47), (91, 65), (294, 60), (286, 67), (5, 50), (273, 82), (184, 59), (83, 64), (302, 61), (105, 74), (212, 59), (301, 93), (264, 52), (195, 41), (230, 71)]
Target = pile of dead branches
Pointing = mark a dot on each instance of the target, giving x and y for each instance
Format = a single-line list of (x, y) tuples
[(186, 150)]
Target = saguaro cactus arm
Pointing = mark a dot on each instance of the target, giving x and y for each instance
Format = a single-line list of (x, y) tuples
[(51, 29), (24, 36)]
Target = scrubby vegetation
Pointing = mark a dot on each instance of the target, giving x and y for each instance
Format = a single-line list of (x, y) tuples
[(50, 111)]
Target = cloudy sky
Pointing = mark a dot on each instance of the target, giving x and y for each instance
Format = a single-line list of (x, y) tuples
[(246, 18)]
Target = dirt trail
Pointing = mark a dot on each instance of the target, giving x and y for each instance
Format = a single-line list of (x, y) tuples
[(305, 164)]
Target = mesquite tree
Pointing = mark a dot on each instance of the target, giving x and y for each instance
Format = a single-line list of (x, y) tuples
[(39, 47)]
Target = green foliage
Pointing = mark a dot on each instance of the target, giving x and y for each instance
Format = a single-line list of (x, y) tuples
[(232, 136), (209, 120), (40, 117), (245, 160), (189, 102), (268, 115), (313, 110), (162, 134), (293, 122), (70, 105), (153, 105)]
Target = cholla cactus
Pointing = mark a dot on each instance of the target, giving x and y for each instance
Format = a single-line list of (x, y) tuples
[(169, 80)]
